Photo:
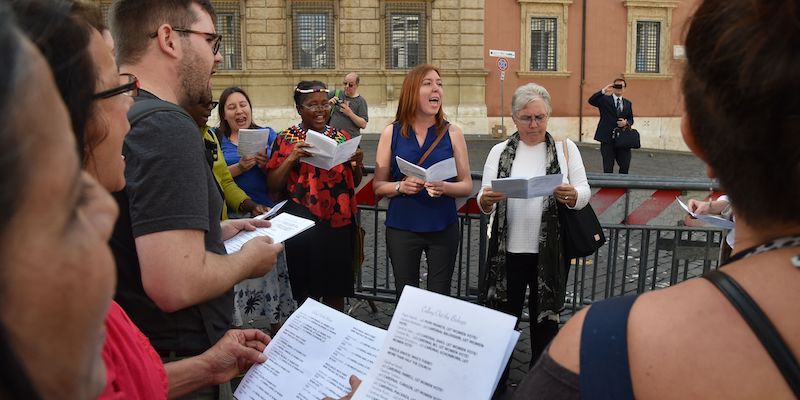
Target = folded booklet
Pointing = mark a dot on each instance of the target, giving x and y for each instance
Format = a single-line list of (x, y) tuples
[(441, 171), (284, 227), (527, 188), (437, 347), (327, 153), (251, 141)]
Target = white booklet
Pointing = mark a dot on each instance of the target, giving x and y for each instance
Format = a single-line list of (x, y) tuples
[(527, 188), (714, 220), (284, 227), (436, 347), (440, 171), (326, 152), (251, 141)]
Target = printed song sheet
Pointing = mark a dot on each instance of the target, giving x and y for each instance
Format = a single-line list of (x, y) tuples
[(326, 152), (714, 220), (283, 227), (442, 170), (313, 356), (440, 348), (527, 188), (251, 141)]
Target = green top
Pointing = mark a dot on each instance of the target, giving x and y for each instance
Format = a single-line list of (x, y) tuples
[(234, 196)]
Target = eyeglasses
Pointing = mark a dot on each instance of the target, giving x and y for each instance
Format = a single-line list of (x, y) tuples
[(528, 119), (321, 107), (128, 89), (214, 38), (212, 105), (348, 84)]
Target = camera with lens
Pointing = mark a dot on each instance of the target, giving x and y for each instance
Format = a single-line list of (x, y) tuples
[(617, 86)]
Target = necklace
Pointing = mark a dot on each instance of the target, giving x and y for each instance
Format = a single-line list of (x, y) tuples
[(786, 241)]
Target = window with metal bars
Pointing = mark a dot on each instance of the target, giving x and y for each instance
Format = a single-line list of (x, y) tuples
[(313, 36), (406, 35), (544, 44), (648, 43), (228, 24)]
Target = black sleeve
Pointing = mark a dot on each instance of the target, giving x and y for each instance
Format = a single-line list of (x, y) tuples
[(595, 99), (165, 183), (549, 380)]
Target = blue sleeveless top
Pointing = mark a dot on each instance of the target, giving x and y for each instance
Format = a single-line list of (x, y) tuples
[(420, 212)]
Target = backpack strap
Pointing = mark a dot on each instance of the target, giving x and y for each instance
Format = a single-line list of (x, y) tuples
[(760, 325), (605, 372)]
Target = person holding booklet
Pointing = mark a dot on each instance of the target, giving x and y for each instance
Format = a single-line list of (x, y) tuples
[(320, 259), (525, 248), (422, 214)]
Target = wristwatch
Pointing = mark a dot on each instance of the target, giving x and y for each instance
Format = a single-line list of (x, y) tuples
[(397, 188)]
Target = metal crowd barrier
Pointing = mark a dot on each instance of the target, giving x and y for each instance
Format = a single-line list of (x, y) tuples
[(634, 259)]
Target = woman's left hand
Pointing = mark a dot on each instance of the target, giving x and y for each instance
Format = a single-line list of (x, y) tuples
[(435, 189), (566, 194)]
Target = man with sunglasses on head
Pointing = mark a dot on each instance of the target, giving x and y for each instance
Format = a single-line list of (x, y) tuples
[(349, 111), (175, 279)]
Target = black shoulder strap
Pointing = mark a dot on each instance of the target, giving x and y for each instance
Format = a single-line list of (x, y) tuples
[(143, 108), (761, 325)]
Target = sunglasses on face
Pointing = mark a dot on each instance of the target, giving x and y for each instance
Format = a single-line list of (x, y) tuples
[(131, 88), (215, 39), (348, 84)]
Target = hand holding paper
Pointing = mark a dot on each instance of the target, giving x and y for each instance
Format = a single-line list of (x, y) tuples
[(441, 171), (710, 219), (326, 152)]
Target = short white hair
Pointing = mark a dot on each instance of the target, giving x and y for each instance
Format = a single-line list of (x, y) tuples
[(528, 93)]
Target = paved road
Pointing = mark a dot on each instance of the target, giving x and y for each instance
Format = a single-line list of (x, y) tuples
[(644, 162)]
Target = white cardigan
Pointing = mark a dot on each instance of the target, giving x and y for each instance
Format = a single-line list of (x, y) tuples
[(525, 215)]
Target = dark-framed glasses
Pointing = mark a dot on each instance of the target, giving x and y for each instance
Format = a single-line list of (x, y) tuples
[(319, 107), (212, 105), (215, 39), (527, 119), (131, 88)]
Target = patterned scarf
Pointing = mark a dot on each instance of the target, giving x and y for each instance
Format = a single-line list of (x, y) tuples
[(552, 280)]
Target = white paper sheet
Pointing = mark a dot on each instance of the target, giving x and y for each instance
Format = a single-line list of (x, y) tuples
[(283, 227), (326, 152), (272, 211), (714, 220), (442, 170), (313, 356), (251, 141), (527, 188), (441, 348)]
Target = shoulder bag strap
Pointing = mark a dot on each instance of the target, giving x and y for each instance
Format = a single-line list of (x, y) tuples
[(760, 325), (432, 146), (605, 372), (566, 156)]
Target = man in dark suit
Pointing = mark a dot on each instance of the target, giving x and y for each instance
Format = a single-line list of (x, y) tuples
[(615, 111)]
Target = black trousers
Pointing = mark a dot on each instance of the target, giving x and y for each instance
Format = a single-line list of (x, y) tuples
[(521, 272), (405, 249), (611, 154)]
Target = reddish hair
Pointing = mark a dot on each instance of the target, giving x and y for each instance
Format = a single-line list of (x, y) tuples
[(409, 100)]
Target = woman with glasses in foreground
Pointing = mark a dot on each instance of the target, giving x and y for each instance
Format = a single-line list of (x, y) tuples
[(320, 259), (525, 248)]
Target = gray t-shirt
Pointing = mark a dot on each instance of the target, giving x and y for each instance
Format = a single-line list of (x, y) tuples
[(169, 186), (343, 122)]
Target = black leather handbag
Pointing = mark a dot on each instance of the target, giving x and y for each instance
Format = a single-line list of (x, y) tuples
[(581, 232), (626, 138)]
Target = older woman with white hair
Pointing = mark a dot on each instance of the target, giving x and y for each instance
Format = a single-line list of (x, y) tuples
[(525, 247)]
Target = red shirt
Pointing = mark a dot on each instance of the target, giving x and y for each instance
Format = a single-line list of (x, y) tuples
[(327, 194), (133, 368)]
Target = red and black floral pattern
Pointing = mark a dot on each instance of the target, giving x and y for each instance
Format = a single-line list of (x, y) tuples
[(328, 195)]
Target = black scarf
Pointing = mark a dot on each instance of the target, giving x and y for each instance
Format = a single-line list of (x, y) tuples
[(552, 277)]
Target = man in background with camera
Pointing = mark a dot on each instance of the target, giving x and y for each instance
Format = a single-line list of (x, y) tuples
[(615, 112), (349, 112)]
